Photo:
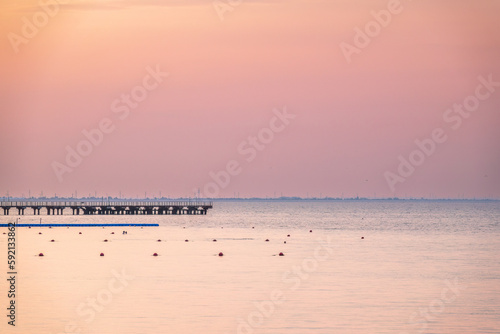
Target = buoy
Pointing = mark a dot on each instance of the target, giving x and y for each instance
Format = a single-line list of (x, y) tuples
[(267, 239), (221, 254), (284, 242), (310, 231), (362, 237), (112, 232), (184, 227), (159, 240), (253, 226), (186, 240), (215, 240), (102, 254), (155, 254), (281, 254), (79, 232), (41, 254), (39, 232), (52, 240), (288, 235), (105, 240)]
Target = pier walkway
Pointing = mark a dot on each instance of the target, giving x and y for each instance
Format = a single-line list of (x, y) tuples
[(125, 207)]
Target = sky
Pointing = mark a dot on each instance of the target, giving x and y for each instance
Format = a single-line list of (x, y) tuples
[(222, 98)]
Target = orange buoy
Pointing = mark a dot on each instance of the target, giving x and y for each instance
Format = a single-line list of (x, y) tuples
[(102, 254), (281, 254), (221, 254), (155, 254), (41, 254)]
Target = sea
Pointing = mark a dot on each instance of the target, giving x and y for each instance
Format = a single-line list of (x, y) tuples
[(309, 266)]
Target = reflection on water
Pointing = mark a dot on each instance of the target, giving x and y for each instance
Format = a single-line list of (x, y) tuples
[(422, 267)]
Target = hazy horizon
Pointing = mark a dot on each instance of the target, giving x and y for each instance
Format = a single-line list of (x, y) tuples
[(280, 198)]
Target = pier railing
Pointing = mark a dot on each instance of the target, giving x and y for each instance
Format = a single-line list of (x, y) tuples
[(105, 203)]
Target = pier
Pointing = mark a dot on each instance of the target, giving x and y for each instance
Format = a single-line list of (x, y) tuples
[(125, 207)]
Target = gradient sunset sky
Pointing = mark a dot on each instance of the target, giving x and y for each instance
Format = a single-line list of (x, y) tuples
[(231, 68)]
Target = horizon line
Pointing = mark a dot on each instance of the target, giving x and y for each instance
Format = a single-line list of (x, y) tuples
[(281, 198)]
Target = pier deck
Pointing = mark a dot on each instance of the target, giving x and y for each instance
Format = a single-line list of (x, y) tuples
[(126, 207)]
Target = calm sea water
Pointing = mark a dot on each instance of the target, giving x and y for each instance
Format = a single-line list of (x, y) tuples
[(421, 267)]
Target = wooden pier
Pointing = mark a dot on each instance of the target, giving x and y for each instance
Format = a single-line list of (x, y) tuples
[(126, 207)]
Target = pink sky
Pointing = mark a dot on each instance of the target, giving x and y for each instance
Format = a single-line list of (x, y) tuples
[(352, 120)]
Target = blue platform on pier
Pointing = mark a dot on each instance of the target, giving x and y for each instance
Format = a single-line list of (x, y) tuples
[(78, 225)]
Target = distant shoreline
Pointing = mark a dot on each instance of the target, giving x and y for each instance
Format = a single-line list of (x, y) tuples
[(255, 199)]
